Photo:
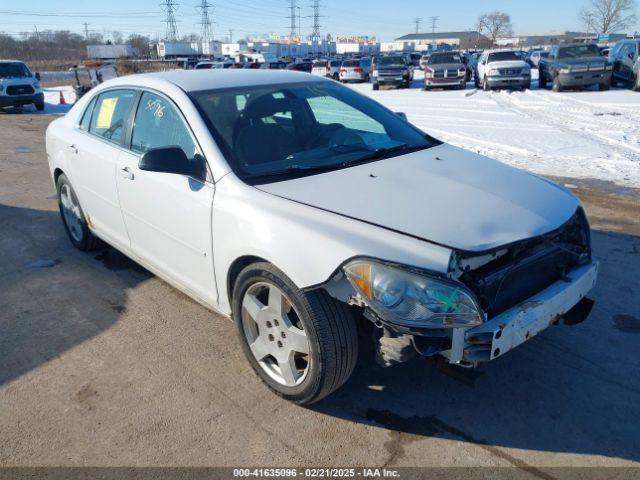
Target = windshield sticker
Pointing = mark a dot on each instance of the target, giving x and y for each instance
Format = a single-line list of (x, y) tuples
[(107, 107)]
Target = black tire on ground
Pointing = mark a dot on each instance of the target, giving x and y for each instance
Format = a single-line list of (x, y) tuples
[(426, 88), (39, 106), (376, 86), (527, 86), (330, 328), (336, 76), (485, 85), (88, 240), (604, 86), (367, 79), (557, 85), (636, 83)]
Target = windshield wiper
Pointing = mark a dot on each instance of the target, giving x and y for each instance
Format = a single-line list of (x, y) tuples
[(385, 152)]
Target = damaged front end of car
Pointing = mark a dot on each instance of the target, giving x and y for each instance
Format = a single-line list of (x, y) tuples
[(485, 305)]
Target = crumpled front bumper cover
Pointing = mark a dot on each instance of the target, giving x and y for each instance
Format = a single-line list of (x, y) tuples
[(524, 321)]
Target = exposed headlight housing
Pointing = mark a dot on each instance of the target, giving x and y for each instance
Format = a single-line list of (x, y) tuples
[(412, 299), (36, 85)]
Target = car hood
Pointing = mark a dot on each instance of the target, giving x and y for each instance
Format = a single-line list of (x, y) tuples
[(8, 81), (509, 64), (583, 61), (446, 66), (444, 195)]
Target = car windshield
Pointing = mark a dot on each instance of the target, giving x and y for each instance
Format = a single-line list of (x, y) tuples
[(503, 56), (14, 70), (444, 58), (579, 51), (391, 61), (269, 133)]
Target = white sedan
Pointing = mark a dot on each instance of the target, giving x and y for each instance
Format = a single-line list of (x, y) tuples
[(304, 211)]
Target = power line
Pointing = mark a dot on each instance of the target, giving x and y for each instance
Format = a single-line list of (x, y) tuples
[(205, 21), (170, 7), (417, 21)]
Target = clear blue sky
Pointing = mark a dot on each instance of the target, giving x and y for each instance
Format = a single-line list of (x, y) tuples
[(386, 19)]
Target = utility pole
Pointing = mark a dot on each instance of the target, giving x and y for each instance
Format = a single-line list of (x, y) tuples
[(170, 7), (417, 22), (434, 23), (299, 23), (230, 35), (86, 30), (292, 17), (315, 34), (205, 20)]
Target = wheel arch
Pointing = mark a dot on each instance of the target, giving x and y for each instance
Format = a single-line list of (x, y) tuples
[(234, 270), (56, 174)]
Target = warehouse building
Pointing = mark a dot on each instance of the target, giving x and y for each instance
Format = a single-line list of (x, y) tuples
[(438, 40)]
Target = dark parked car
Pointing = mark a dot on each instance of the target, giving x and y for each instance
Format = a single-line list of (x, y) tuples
[(625, 57), (575, 66), (445, 69), (392, 70), (301, 67), (274, 65)]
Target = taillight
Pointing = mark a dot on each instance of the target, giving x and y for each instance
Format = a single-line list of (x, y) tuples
[(343, 70), (358, 70), (328, 68)]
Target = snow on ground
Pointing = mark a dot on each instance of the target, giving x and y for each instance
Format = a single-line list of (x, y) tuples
[(587, 135)]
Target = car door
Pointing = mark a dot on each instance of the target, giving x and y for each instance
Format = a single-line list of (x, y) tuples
[(168, 216), (93, 152)]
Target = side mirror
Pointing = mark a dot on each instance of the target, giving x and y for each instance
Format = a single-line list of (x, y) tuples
[(37, 75), (173, 160), (403, 116)]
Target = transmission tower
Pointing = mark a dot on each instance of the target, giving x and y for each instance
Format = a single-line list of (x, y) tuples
[(293, 5), (417, 22), (170, 7), (434, 23), (315, 34), (205, 20)]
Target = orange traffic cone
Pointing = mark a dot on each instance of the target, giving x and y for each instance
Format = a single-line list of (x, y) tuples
[(62, 100)]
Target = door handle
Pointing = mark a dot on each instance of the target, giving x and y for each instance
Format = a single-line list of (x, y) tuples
[(74, 148), (126, 173)]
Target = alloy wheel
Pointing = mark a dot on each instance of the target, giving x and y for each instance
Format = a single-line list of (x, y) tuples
[(71, 212), (275, 334)]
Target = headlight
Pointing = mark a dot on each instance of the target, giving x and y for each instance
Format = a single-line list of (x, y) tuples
[(494, 71), (565, 70), (412, 299), (36, 85)]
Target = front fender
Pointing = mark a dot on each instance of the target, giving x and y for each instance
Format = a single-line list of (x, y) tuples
[(306, 243)]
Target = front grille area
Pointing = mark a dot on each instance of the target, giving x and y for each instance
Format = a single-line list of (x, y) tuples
[(530, 266), (20, 90), (510, 72)]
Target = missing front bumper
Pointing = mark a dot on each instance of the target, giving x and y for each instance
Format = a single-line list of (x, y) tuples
[(566, 298)]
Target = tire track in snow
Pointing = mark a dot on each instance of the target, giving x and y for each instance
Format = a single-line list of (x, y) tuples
[(570, 126)]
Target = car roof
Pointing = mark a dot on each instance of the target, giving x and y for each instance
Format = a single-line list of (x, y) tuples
[(10, 61), (197, 80)]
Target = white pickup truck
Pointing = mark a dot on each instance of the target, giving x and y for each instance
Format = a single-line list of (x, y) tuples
[(502, 69)]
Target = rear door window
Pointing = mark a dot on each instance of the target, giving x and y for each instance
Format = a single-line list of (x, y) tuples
[(159, 124), (86, 117), (110, 114)]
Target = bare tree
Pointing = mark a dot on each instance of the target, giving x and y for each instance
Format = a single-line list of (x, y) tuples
[(495, 24), (608, 16)]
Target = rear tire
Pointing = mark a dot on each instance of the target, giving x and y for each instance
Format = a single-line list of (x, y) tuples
[(376, 86), (73, 217), (328, 325)]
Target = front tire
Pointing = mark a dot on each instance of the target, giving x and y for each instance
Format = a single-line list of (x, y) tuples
[(485, 85), (73, 217), (604, 86), (376, 86), (39, 106), (303, 345), (542, 81)]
